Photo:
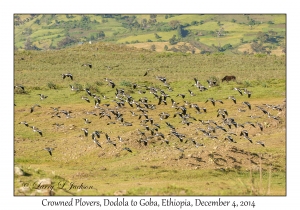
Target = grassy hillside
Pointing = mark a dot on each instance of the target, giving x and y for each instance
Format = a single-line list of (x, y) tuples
[(205, 33), (198, 164)]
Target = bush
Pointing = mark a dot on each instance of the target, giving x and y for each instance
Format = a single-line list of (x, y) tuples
[(67, 41), (51, 85), (126, 83), (99, 83), (92, 88), (247, 84)]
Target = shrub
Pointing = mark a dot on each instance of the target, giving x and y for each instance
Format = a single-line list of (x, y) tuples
[(92, 88), (247, 84), (126, 83), (99, 83), (51, 85)]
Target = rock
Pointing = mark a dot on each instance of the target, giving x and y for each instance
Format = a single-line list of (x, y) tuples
[(24, 190), (44, 182), (19, 171), (45, 192), (120, 192)]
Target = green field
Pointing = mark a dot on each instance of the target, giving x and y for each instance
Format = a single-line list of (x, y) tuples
[(207, 33)]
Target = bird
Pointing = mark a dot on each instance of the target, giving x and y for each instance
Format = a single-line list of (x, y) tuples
[(239, 90), (197, 83), (222, 112), (32, 108), (241, 110), (86, 121), (196, 107), (165, 140), (250, 123), (182, 95), (35, 129), (161, 99), (85, 98), (191, 93), (19, 86), (42, 97), (67, 75), (112, 84), (181, 150), (202, 88), (73, 88), (49, 149), (247, 104), (134, 85), (247, 137), (56, 115), (261, 143), (97, 142), (169, 125), (260, 126), (220, 127), (232, 98), (96, 133), (127, 149), (88, 91), (230, 139), (87, 64), (67, 113), (85, 130), (141, 91), (24, 122), (211, 100), (97, 99), (244, 133), (247, 92), (211, 83), (55, 108), (109, 141), (164, 115), (120, 139)]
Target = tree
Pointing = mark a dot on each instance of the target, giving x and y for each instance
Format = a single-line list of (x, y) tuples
[(194, 22), (174, 23), (28, 44), (101, 35), (67, 41), (157, 36), (37, 21), (262, 37), (258, 47), (173, 40), (153, 16), (27, 31), (144, 23), (92, 37)]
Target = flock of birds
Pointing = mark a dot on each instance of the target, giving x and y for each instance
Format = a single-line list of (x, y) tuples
[(144, 112)]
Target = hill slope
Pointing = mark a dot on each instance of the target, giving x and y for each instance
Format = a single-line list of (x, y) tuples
[(195, 158), (201, 33)]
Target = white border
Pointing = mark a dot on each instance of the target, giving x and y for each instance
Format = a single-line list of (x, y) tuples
[(8, 8)]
